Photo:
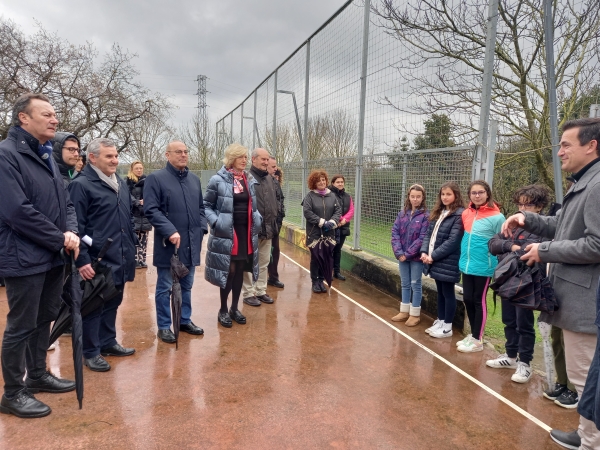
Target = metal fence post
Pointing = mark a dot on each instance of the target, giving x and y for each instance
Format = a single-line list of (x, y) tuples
[(274, 143), (550, 76), (305, 140), (231, 128), (242, 126), (361, 128), (254, 124), (491, 157), (486, 92), (217, 136)]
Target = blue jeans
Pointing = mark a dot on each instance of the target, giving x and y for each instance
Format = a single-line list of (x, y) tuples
[(410, 279), (162, 297)]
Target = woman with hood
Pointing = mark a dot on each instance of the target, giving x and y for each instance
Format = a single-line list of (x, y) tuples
[(135, 183)]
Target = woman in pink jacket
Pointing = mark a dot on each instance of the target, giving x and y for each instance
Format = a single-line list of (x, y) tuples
[(337, 187)]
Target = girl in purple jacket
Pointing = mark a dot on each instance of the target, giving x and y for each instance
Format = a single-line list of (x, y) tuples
[(408, 233)]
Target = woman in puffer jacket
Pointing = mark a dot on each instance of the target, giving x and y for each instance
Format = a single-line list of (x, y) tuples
[(408, 233), (230, 206), (135, 183)]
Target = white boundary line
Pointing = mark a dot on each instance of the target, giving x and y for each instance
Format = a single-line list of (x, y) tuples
[(489, 390)]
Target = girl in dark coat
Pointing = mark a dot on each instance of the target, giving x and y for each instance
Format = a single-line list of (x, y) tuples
[(230, 206), (441, 252), (408, 233), (135, 183), (322, 212), (338, 188)]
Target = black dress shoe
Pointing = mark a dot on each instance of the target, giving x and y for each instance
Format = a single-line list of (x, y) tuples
[(265, 298), (117, 350), (322, 286), (567, 440), (224, 319), (237, 316), (276, 283), (166, 336), (339, 276), (97, 364), (191, 329), (252, 301), (24, 405), (315, 287), (49, 383)]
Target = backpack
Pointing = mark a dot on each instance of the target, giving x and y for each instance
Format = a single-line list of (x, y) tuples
[(524, 286)]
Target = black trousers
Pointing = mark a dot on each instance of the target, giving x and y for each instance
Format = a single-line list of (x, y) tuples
[(475, 289), (33, 303), (337, 254), (272, 269), (519, 331), (446, 300), (99, 327)]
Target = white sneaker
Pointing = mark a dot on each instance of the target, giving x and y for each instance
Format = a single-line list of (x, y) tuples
[(436, 324), (52, 347), (465, 340), (441, 332), (523, 373), (502, 362), (472, 346)]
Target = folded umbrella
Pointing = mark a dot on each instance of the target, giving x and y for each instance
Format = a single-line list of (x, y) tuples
[(545, 330), (178, 271), (321, 251)]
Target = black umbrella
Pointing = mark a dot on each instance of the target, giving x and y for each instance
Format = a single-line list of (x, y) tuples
[(322, 251), (178, 271), (71, 296), (100, 289)]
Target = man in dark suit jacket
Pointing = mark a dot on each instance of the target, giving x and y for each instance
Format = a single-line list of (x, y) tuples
[(103, 207)]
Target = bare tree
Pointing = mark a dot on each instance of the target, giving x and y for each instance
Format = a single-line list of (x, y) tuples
[(340, 134), (448, 37), (201, 141)]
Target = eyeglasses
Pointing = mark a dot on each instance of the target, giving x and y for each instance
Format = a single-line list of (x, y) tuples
[(525, 205), (180, 152), (477, 193), (72, 149)]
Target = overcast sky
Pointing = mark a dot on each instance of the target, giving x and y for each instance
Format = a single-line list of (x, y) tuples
[(235, 43)]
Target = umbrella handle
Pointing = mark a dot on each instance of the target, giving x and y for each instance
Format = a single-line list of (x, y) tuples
[(104, 249)]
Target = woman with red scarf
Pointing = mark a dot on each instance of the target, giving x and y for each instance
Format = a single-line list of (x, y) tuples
[(230, 206)]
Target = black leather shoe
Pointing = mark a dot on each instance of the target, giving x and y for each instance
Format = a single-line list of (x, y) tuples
[(265, 298), (97, 364), (322, 286), (225, 320), (567, 440), (276, 283), (237, 316), (315, 287), (339, 276), (252, 301), (49, 383), (24, 405), (117, 350), (166, 336), (191, 329)]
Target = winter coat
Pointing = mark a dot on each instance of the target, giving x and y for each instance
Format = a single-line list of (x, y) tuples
[(67, 172), (136, 189), (281, 205), (35, 208), (173, 203), (319, 209), (266, 202), (408, 233), (446, 250), (481, 225), (347, 208), (218, 204), (574, 252), (103, 214), (500, 245)]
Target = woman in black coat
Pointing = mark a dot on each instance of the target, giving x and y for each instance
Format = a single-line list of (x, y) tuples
[(135, 183), (322, 211), (338, 188)]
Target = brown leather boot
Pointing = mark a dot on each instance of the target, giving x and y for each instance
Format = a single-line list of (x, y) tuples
[(403, 315), (415, 317)]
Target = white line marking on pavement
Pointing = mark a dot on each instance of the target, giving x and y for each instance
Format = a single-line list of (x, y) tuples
[(441, 358)]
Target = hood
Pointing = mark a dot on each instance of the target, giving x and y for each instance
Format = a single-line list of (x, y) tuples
[(58, 143)]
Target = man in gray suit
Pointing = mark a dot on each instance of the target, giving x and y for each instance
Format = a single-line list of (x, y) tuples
[(575, 256)]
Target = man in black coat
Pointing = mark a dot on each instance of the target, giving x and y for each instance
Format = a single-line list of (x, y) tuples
[(266, 199), (37, 220), (174, 206), (273, 278), (103, 206)]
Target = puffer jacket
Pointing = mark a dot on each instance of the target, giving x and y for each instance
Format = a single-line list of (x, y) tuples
[(347, 208), (266, 202), (501, 245), (218, 205), (446, 250), (136, 189), (67, 172), (319, 209), (408, 233), (481, 224)]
